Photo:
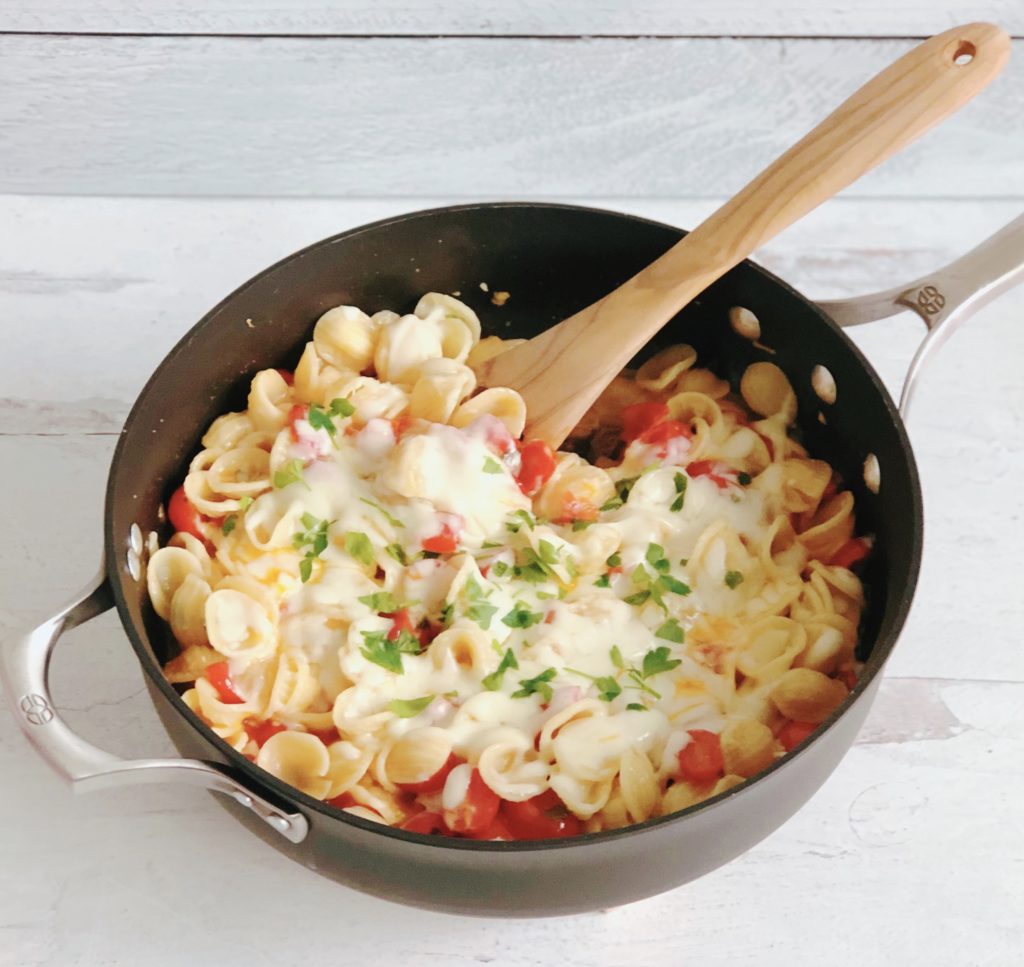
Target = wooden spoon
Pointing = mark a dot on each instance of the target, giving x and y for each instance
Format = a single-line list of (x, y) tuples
[(562, 371)]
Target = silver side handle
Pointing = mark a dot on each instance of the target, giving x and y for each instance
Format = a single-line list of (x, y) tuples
[(944, 298), (24, 674)]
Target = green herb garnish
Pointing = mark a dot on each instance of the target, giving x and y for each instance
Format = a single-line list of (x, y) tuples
[(341, 407), (358, 545), (492, 682), (393, 521), (491, 465), (387, 652), (290, 473), (406, 708), (671, 631), (481, 613), (733, 579), (680, 481), (538, 685), (522, 617)]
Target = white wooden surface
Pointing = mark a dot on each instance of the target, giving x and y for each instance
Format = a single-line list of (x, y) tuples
[(460, 117), (912, 853), (786, 18)]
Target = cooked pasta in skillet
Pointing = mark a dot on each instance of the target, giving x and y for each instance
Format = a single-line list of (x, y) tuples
[(386, 599)]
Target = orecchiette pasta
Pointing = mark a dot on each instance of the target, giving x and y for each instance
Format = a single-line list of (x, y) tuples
[(385, 599)]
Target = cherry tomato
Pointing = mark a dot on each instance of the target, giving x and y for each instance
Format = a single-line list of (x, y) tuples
[(701, 761), (706, 468), (640, 417), (444, 543), (259, 732), (537, 464), (542, 817), (298, 412), (852, 552), (183, 516), (427, 823), (219, 676), (848, 677), (793, 734), (665, 431), (403, 622), (496, 831), (434, 782), (287, 375), (478, 806)]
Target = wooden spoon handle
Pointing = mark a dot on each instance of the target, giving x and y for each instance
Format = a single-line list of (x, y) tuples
[(562, 371)]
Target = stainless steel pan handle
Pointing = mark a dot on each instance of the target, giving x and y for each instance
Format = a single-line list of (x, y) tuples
[(24, 668), (944, 298)]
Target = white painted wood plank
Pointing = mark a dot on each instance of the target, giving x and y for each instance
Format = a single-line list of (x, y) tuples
[(91, 297), (909, 849), (869, 18), (459, 117)]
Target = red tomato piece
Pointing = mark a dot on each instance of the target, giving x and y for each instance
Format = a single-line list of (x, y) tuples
[(343, 801), (738, 412), (706, 468), (793, 734), (259, 732), (327, 736), (852, 552), (427, 823), (542, 817), (183, 516), (431, 783), (701, 761), (665, 431), (496, 831), (576, 509), (848, 677), (537, 464), (444, 543), (402, 622), (287, 375), (640, 417), (477, 809), (400, 424), (219, 676), (298, 412)]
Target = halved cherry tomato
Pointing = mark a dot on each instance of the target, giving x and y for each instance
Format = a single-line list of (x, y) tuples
[(259, 732), (665, 431), (183, 516), (537, 464), (298, 412), (701, 760), (851, 553), (640, 417), (848, 677), (706, 468), (542, 817), (496, 831), (287, 375), (431, 783), (444, 543), (403, 622), (400, 424), (477, 808), (427, 823), (219, 676), (793, 734)]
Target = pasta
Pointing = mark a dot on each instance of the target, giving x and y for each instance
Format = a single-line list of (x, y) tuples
[(387, 600)]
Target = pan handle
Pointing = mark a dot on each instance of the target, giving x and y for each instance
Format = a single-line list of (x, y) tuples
[(944, 298), (24, 673)]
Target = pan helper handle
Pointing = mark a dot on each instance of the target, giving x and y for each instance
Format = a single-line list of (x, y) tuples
[(944, 298), (24, 666)]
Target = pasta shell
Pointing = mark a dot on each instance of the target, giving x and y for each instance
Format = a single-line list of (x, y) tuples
[(805, 695), (766, 390), (346, 338), (298, 758)]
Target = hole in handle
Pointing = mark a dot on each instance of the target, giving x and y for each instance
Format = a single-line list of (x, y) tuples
[(964, 53)]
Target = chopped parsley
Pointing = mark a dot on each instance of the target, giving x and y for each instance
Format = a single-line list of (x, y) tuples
[(524, 517), (491, 465), (538, 685), (616, 657), (657, 661), (481, 612), (229, 524), (671, 631), (581, 525), (499, 569), (387, 652), (733, 579), (397, 552), (603, 582), (522, 617), (655, 556), (358, 546), (636, 707), (492, 682), (670, 583), (290, 473), (608, 689), (680, 481), (320, 419), (448, 614), (393, 521), (614, 561), (381, 601), (639, 598), (314, 538), (341, 407), (406, 708)]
